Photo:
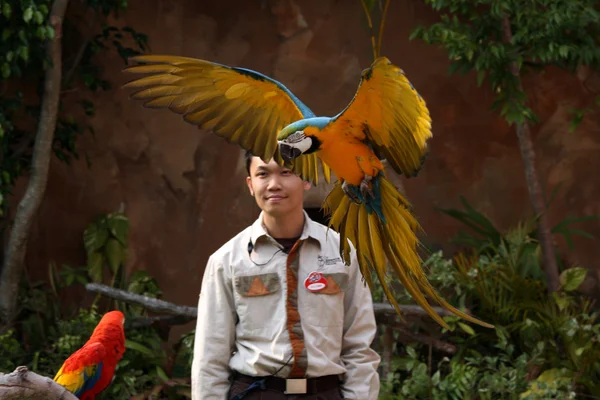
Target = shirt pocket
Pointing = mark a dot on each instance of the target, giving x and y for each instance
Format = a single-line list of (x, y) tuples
[(258, 299), (326, 307)]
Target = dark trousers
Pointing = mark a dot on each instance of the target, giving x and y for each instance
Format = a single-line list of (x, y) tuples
[(241, 383)]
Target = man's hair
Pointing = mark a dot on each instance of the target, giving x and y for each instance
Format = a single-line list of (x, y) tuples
[(248, 159)]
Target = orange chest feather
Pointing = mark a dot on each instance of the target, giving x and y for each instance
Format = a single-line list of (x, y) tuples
[(347, 156)]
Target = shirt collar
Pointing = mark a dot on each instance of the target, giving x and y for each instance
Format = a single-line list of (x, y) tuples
[(312, 230)]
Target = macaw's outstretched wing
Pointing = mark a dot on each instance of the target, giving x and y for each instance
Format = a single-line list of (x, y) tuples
[(388, 112), (243, 106), (82, 370), (381, 243)]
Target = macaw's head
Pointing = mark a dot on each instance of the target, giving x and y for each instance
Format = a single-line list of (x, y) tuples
[(111, 334), (301, 137)]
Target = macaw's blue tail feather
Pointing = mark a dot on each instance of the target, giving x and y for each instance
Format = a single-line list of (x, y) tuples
[(384, 234)]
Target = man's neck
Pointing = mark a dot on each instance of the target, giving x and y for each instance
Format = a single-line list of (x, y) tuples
[(287, 227)]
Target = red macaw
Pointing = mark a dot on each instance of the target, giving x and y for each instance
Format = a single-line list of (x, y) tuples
[(386, 119), (90, 370)]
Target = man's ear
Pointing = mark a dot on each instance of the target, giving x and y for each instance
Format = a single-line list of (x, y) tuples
[(307, 185), (249, 183)]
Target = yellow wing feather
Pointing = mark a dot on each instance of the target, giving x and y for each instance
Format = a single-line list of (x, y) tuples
[(392, 245), (74, 380), (242, 106), (389, 113)]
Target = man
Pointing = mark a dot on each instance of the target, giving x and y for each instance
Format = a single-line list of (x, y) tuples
[(280, 315)]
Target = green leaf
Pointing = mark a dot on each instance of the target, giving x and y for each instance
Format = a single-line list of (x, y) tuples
[(575, 122), (39, 18), (6, 10), (480, 77), (5, 69), (138, 347), (161, 373), (95, 264), (572, 278), (114, 254), (562, 300), (28, 14), (118, 224), (94, 237), (466, 328)]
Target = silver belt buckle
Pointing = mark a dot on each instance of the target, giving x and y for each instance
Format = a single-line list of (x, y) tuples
[(295, 386)]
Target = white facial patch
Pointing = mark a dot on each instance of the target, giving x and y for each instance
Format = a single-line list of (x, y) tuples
[(298, 141)]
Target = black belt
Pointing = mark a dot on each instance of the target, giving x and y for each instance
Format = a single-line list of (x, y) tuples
[(313, 385)]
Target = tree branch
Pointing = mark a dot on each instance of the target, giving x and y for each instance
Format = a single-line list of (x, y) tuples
[(407, 310), (150, 303), (533, 181), (23, 384), (407, 335), (81, 52), (30, 203), (382, 310), (143, 322)]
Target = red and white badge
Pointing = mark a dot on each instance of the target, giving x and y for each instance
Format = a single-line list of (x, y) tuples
[(315, 282)]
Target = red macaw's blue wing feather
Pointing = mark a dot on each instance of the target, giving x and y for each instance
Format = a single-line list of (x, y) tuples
[(243, 106), (82, 370)]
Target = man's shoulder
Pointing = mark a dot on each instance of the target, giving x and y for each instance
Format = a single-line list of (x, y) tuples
[(233, 244), (325, 232)]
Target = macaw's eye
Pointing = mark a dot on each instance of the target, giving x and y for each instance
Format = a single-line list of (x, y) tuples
[(295, 137)]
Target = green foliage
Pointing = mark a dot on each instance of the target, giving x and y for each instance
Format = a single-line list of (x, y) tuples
[(105, 243), (543, 32), (25, 31), (545, 346), (50, 327)]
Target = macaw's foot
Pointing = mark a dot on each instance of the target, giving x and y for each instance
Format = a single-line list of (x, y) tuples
[(365, 187), (350, 191), (359, 193)]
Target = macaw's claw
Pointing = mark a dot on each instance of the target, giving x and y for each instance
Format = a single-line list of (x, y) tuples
[(359, 193), (348, 190), (365, 187)]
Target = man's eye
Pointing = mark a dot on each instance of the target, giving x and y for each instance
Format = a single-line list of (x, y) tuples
[(261, 174), (286, 172)]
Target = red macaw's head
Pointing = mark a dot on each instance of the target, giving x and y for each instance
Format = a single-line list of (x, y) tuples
[(111, 334)]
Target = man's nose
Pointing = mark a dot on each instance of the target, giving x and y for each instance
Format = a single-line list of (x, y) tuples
[(274, 183)]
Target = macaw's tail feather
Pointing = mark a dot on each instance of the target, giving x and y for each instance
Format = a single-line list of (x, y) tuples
[(380, 244)]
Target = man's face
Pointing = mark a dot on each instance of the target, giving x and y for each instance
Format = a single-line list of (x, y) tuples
[(277, 190)]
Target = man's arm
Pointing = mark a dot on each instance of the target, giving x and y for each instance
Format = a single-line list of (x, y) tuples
[(215, 334), (362, 379)]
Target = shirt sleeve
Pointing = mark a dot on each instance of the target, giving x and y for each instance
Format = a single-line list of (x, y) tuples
[(215, 334), (360, 360)]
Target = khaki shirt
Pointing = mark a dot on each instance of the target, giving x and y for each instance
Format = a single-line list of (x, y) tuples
[(254, 317)]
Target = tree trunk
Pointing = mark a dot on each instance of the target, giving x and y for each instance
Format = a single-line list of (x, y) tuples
[(17, 245), (533, 184)]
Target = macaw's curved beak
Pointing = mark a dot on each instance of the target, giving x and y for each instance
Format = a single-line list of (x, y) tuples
[(288, 153)]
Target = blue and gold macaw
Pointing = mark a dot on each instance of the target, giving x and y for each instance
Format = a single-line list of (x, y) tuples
[(386, 119)]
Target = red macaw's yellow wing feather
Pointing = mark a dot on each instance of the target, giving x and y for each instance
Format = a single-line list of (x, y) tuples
[(381, 244), (388, 112), (243, 106), (82, 370)]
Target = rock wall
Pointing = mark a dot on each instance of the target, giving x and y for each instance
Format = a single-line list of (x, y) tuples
[(184, 190)]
